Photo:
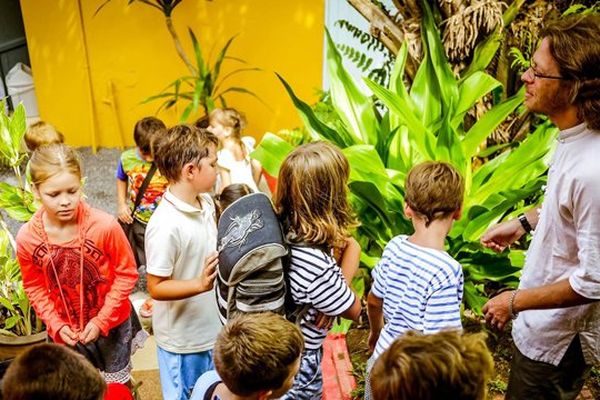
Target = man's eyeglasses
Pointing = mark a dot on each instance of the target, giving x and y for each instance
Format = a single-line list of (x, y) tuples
[(537, 75)]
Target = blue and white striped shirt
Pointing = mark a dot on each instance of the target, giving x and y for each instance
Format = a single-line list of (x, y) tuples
[(316, 279), (421, 288)]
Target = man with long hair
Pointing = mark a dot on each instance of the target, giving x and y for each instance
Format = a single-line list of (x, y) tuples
[(557, 330)]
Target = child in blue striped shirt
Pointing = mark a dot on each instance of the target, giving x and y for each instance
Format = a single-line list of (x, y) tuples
[(417, 286)]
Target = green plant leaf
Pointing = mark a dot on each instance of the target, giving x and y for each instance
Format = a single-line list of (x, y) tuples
[(354, 108), (315, 127), (220, 58), (472, 89), (201, 65), (271, 151), (490, 121)]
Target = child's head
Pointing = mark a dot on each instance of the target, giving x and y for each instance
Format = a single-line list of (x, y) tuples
[(445, 365), (434, 190), (50, 371), (226, 122), (55, 172), (258, 354), (311, 196), (231, 193), (40, 134), (188, 153), (144, 134)]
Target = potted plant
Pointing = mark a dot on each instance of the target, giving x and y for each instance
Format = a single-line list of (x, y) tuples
[(19, 326)]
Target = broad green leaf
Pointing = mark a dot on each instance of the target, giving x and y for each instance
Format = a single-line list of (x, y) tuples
[(447, 83), (490, 121), (17, 127), (315, 127), (471, 90), (271, 151), (418, 134), (356, 110), (474, 297)]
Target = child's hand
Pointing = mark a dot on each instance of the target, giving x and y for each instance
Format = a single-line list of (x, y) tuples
[(68, 335), (323, 321), (209, 273), (91, 333), (372, 342), (125, 214)]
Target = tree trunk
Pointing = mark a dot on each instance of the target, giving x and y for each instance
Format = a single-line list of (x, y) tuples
[(178, 46)]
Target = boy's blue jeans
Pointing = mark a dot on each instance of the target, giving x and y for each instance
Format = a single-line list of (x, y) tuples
[(179, 372)]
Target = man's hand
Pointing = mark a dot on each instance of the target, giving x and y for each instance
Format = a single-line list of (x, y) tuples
[(209, 273), (499, 237), (68, 335), (91, 333), (125, 213), (496, 310)]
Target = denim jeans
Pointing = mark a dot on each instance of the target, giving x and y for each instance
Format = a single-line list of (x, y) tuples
[(179, 372)]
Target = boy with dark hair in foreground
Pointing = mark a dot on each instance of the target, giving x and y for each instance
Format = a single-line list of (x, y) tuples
[(50, 371)]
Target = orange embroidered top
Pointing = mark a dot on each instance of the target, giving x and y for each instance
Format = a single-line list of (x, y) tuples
[(86, 279)]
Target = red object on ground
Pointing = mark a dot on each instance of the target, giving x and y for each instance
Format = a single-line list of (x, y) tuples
[(338, 381), (117, 391)]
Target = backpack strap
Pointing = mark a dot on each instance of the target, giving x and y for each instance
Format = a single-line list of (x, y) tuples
[(143, 187), (208, 395)]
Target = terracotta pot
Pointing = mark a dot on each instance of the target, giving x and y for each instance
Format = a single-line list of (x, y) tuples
[(11, 346)]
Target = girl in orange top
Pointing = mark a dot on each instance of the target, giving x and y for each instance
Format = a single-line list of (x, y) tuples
[(78, 268)]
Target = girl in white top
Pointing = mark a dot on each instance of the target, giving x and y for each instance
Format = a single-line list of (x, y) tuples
[(235, 164)]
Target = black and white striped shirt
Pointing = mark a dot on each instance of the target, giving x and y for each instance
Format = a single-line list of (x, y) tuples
[(316, 279)]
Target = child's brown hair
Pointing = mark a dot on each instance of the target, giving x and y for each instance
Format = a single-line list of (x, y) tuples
[(231, 193), (229, 118), (40, 134), (50, 371), (255, 352), (181, 145), (312, 195), (144, 133), (50, 160), (434, 190), (445, 365)]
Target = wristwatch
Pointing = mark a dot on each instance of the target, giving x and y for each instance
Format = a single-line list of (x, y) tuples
[(524, 223)]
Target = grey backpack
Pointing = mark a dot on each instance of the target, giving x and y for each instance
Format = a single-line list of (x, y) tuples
[(253, 258)]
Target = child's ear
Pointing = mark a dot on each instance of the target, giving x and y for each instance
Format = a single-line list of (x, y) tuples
[(187, 172), (264, 394), (457, 214), (408, 211)]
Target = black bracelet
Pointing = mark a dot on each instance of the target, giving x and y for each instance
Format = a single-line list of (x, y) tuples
[(524, 223)]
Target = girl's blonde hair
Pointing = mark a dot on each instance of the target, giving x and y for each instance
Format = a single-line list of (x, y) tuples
[(312, 195), (51, 160), (229, 118)]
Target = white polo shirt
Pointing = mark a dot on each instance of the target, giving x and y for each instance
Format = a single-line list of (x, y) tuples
[(179, 237)]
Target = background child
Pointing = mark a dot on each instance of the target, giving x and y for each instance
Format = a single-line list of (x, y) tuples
[(445, 365), (235, 165), (181, 254), (78, 269), (311, 201), (256, 356), (230, 194), (416, 284), (39, 134), (49, 372)]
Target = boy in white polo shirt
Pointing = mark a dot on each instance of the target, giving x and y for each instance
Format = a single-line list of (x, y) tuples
[(181, 259)]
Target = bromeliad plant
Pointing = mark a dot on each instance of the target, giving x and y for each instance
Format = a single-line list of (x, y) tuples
[(16, 315), (427, 121)]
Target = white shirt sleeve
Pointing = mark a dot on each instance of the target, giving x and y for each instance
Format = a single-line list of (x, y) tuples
[(161, 246), (225, 159), (586, 218)]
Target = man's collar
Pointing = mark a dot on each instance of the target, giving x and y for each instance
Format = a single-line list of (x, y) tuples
[(182, 205)]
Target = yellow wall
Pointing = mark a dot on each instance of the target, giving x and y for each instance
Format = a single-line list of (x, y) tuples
[(130, 47)]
